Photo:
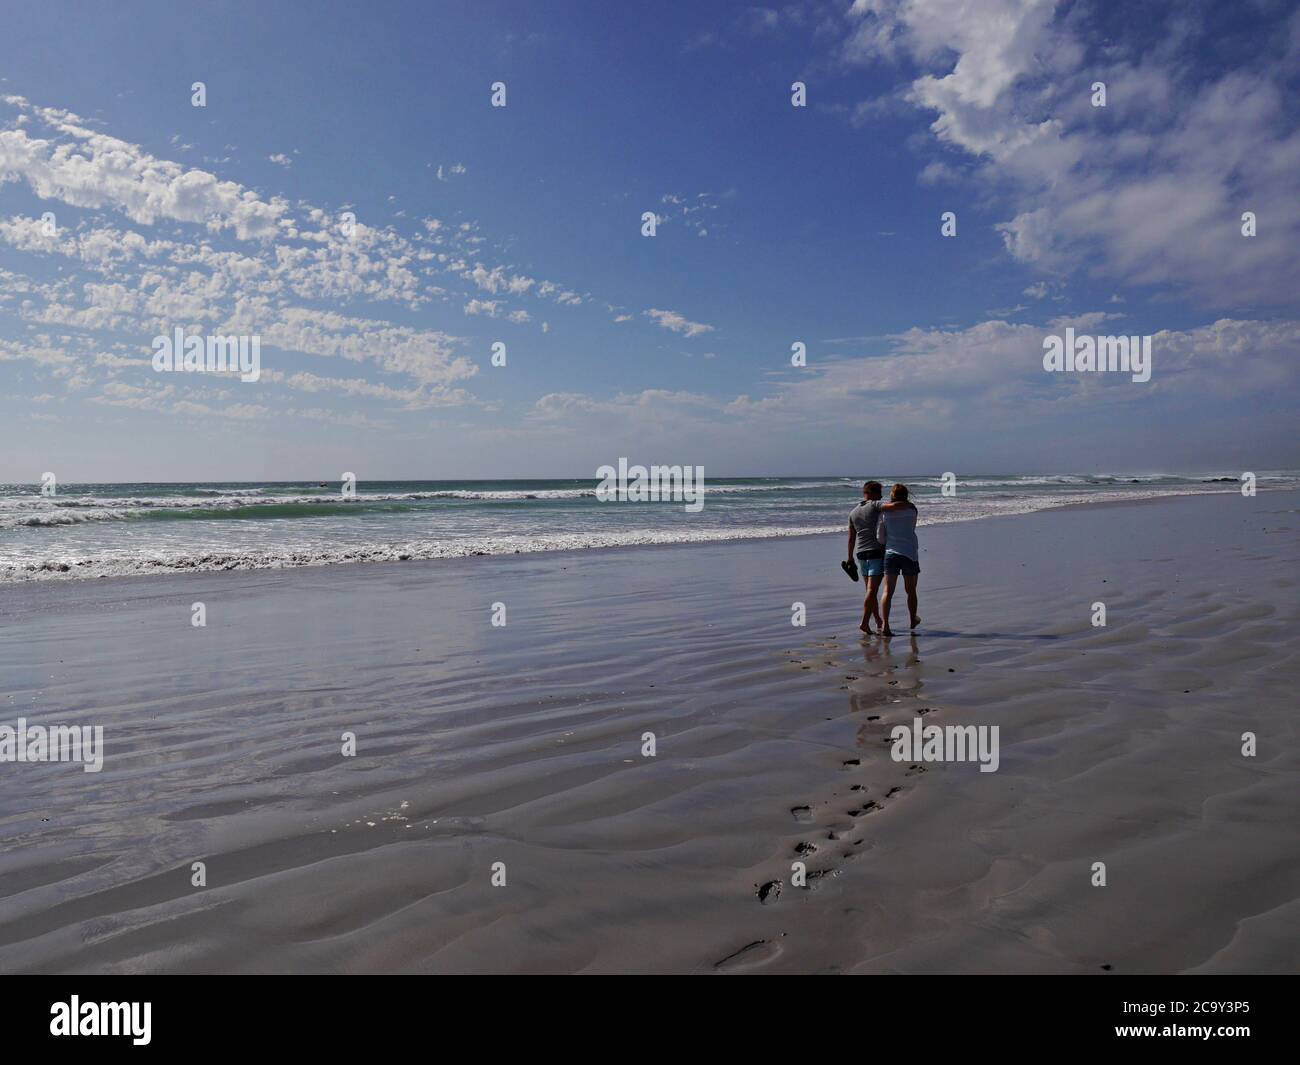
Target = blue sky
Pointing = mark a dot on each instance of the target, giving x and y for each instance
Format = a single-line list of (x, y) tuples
[(522, 225)]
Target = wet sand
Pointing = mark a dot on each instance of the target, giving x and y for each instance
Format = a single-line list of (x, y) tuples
[(523, 745)]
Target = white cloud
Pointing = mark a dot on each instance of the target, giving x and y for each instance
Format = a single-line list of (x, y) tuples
[(1150, 189), (933, 377), (486, 307), (676, 323), (89, 169)]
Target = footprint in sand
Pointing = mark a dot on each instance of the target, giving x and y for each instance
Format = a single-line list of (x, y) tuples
[(822, 874), (760, 952)]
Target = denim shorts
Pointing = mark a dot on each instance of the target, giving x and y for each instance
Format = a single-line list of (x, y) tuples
[(896, 564), (871, 567)]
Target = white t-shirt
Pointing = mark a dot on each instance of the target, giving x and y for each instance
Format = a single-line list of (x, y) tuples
[(899, 528)]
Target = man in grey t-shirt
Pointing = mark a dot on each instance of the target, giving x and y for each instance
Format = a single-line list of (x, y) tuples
[(863, 522)]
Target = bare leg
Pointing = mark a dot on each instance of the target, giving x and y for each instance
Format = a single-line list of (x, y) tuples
[(910, 584), (891, 579), (869, 608)]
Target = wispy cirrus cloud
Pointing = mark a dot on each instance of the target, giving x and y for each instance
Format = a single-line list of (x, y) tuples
[(677, 323)]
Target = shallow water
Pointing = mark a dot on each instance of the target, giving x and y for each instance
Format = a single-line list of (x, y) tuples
[(120, 529)]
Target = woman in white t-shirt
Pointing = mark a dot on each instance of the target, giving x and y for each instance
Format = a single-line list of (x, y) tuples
[(902, 552)]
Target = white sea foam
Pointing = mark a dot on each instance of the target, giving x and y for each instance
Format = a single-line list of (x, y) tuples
[(141, 557), (32, 510), (54, 517)]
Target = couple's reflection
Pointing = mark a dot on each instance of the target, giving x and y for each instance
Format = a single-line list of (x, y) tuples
[(897, 663), (888, 654)]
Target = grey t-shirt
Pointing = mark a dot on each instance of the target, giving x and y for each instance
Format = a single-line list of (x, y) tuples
[(865, 517)]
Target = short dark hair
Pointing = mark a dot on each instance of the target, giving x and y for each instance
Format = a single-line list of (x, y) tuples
[(867, 488)]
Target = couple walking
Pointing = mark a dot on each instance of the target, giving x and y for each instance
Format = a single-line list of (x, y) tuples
[(885, 537)]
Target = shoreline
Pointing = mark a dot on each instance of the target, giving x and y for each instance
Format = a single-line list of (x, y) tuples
[(523, 745), (69, 574)]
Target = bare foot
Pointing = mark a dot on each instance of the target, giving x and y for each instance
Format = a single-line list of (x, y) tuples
[(866, 629), (888, 634), (916, 620)]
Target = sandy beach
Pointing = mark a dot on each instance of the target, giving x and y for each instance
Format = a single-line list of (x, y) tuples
[(479, 744)]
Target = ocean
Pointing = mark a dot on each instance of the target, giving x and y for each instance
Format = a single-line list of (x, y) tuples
[(100, 530)]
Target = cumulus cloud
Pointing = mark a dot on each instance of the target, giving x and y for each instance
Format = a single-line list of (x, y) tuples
[(1150, 189), (944, 377)]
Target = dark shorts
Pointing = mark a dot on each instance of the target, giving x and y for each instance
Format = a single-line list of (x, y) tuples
[(896, 564)]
